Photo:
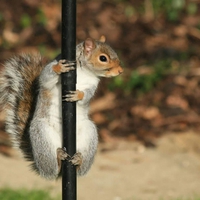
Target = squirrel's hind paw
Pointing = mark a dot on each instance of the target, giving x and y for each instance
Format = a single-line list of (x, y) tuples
[(77, 159), (62, 154)]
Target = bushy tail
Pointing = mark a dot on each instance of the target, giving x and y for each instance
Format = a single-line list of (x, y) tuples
[(18, 92)]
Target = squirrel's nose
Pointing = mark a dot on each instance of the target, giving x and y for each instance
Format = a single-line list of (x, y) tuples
[(120, 70)]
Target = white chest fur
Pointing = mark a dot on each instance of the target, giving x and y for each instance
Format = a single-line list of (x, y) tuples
[(87, 83)]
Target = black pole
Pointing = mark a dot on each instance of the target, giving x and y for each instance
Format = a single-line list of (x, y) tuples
[(68, 81)]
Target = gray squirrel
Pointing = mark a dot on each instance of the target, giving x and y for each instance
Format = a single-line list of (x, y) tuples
[(30, 93)]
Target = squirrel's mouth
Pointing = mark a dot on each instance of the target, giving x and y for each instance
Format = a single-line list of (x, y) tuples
[(106, 69), (103, 70)]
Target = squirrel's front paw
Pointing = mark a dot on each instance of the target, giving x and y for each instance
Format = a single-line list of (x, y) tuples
[(73, 96), (63, 66)]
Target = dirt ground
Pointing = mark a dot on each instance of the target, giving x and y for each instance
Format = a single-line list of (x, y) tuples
[(125, 171)]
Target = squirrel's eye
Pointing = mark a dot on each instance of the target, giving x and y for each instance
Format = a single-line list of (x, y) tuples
[(103, 58)]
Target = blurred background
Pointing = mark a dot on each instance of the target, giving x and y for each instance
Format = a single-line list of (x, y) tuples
[(149, 113)]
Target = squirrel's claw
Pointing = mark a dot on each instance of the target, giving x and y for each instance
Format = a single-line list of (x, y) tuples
[(73, 96)]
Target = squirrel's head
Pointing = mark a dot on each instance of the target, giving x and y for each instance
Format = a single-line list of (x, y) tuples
[(102, 58)]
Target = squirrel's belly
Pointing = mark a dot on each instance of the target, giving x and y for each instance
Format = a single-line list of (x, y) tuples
[(54, 118)]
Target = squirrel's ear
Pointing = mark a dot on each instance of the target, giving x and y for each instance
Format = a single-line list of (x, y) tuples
[(89, 45), (102, 39)]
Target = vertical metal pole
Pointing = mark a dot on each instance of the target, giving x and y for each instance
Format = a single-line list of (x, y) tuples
[(68, 81)]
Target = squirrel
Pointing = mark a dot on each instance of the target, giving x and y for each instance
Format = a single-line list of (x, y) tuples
[(31, 95)]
